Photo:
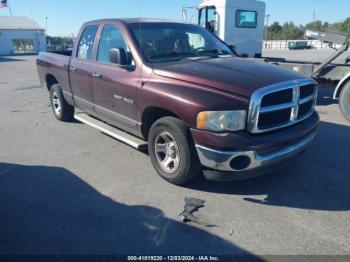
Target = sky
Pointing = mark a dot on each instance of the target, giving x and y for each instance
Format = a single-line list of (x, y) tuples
[(66, 16)]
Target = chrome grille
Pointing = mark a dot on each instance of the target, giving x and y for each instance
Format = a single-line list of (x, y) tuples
[(282, 105)]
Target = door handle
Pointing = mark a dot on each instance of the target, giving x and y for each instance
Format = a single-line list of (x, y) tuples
[(72, 68), (97, 75)]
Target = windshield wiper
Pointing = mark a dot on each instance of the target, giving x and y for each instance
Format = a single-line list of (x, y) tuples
[(173, 54), (213, 52)]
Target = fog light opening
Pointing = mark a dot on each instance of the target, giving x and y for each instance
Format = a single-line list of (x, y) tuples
[(240, 163)]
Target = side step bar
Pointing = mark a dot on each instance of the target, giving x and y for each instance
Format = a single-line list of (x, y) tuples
[(111, 131)]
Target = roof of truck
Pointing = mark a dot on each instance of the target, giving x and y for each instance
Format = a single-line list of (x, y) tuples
[(136, 20)]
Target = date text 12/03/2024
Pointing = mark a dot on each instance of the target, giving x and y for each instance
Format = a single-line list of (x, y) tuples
[(173, 258)]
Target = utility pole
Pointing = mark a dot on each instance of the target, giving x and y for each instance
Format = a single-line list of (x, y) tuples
[(267, 26), (314, 17), (46, 18)]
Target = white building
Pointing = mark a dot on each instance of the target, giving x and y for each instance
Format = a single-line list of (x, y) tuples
[(21, 35)]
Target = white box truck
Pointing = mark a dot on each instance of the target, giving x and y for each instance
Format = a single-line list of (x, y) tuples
[(239, 23)]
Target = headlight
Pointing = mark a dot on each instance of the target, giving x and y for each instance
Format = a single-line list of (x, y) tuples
[(220, 121)]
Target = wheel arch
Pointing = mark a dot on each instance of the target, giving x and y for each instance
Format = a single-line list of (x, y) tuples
[(151, 115), (342, 83), (50, 81)]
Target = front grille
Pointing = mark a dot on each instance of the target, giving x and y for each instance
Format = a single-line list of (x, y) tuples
[(272, 119), (282, 105), (282, 97)]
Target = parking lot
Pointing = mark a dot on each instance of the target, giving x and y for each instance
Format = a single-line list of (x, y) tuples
[(68, 189)]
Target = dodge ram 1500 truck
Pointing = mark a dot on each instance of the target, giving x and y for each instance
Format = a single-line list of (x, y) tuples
[(200, 108)]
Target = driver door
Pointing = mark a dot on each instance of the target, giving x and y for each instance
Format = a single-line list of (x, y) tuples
[(115, 86)]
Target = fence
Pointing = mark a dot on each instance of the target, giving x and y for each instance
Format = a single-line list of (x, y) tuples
[(283, 44)]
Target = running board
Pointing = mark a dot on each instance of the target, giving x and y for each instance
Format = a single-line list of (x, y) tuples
[(111, 131)]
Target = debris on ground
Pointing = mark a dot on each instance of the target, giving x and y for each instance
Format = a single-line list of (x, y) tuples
[(193, 205)]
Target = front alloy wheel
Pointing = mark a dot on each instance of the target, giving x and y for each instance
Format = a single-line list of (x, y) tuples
[(172, 151), (167, 152)]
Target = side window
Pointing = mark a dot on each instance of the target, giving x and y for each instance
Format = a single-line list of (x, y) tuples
[(86, 43), (211, 23), (246, 19), (111, 37), (202, 17)]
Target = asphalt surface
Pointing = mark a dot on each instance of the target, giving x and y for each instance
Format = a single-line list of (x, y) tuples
[(68, 189)]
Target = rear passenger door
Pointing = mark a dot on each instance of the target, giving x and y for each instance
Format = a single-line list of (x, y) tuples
[(81, 69), (115, 86)]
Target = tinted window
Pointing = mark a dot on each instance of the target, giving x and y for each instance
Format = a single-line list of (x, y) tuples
[(86, 43), (111, 37), (161, 42), (246, 19)]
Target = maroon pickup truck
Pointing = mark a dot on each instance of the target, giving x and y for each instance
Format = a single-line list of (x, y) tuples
[(200, 108)]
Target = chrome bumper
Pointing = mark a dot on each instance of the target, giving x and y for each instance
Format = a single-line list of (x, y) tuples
[(253, 161)]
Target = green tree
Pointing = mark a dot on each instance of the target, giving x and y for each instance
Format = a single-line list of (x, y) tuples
[(290, 31), (345, 27), (58, 40), (275, 28)]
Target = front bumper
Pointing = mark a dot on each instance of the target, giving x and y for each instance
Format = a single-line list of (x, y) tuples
[(240, 165)]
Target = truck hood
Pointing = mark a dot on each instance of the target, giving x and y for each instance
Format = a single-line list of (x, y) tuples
[(240, 76)]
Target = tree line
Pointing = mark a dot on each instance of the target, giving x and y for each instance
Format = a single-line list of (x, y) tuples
[(58, 40), (290, 31)]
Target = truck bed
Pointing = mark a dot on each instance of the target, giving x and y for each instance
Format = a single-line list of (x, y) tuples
[(55, 64), (64, 53)]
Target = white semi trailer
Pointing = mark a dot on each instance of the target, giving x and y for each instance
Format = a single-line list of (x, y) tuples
[(239, 23)]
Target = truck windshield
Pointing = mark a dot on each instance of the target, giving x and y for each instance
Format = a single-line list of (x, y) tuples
[(163, 42)]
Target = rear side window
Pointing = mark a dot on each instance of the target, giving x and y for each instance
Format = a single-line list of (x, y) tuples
[(246, 19), (86, 43), (111, 37)]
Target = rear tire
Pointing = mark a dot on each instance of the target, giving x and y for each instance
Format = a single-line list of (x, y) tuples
[(344, 101), (172, 151), (62, 110)]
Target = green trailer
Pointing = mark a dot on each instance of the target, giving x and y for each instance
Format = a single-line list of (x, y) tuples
[(297, 45)]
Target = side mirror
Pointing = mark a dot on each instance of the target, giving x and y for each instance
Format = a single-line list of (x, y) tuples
[(118, 56)]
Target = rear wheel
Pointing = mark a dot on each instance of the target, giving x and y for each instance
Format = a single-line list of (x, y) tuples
[(172, 151), (344, 101), (61, 109)]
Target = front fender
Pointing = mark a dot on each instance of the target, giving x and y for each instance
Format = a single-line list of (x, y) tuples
[(186, 100)]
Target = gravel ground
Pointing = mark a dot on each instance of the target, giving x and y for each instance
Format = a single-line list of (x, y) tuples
[(68, 189)]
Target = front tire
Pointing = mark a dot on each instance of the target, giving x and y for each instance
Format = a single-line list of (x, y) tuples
[(344, 101), (172, 151), (62, 110)]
